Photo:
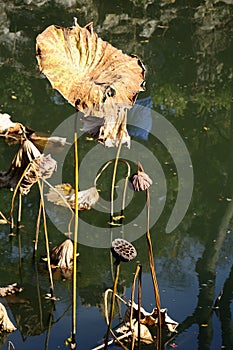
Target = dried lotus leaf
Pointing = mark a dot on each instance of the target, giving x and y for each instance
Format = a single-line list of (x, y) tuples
[(90, 73), (64, 195), (62, 254), (95, 77), (5, 323)]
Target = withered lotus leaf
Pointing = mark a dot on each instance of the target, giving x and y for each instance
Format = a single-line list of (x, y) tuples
[(10, 289), (5, 322), (62, 254), (94, 76), (29, 162), (64, 195), (151, 318), (7, 126)]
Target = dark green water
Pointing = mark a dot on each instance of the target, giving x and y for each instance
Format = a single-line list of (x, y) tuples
[(187, 49)]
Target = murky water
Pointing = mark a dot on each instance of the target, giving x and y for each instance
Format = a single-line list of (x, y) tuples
[(187, 50)]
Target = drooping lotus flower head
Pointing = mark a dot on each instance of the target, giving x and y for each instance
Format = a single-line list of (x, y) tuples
[(122, 250), (140, 180)]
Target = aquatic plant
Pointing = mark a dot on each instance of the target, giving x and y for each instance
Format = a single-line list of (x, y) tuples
[(123, 251)]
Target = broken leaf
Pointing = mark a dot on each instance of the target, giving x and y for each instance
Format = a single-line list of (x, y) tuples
[(145, 335), (64, 195), (7, 126), (62, 254), (95, 77), (9, 290), (151, 319), (5, 323), (29, 163)]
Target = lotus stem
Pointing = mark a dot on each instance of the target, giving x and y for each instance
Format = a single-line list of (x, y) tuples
[(10, 344), (46, 238), (112, 304), (152, 269), (19, 209), (74, 287), (136, 275), (112, 340), (114, 180), (14, 195), (139, 305), (37, 228), (49, 329), (107, 164)]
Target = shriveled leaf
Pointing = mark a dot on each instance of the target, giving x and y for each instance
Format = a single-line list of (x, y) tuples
[(62, 254), (5, 323), (9, 290), (54, 143), (145, 335), (7, 126), (151, 319), (95, 77), (27, 152), (64, 195), (29, 162)]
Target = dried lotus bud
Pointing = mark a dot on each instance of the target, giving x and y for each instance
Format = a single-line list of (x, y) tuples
[(122, 250), (140, 181)]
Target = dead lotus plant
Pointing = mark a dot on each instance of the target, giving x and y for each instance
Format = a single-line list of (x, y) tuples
[(64, 195), (93, 76), (62, 255), (5, 322), (123, 251)]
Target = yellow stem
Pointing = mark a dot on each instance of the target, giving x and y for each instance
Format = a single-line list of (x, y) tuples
[(74, 289)]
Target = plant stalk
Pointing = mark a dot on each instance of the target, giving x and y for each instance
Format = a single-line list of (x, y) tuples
[(46, 239), (112, 304), (153, 273), (74, 287)]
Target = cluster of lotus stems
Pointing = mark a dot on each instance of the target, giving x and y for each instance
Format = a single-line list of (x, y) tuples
[(103, 83)]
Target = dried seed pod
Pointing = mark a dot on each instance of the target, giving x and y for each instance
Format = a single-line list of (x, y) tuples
[(122, 250), (140, 181)]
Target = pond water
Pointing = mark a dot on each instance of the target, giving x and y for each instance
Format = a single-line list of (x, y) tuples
[(187, 49)]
